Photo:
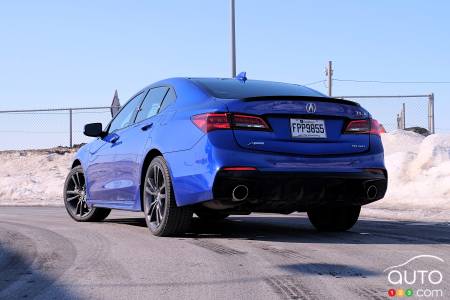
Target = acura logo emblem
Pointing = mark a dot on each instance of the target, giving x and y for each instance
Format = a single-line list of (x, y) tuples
[(311, 108)]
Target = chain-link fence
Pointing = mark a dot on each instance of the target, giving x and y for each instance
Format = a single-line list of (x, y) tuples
[(402, 111), (45, 128)]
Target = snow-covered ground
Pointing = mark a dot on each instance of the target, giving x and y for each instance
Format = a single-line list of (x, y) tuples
[(419, 177), (33, 177)]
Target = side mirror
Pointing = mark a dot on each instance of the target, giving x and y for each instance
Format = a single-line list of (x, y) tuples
[(93, 129)]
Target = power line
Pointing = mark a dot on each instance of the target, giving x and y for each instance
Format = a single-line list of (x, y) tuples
[(393, 82)]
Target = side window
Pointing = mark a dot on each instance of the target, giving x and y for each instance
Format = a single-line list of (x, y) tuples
[(169, 99), (151, 104), (124, 117)]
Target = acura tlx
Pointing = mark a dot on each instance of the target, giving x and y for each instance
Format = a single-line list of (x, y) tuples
[(221, 146)]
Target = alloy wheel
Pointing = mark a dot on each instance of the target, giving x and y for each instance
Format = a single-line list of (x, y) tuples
[(155, 196), (76, 195)]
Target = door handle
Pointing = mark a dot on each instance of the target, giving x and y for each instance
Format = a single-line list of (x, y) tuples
[(111, 138), (147, 127), (114, 139)]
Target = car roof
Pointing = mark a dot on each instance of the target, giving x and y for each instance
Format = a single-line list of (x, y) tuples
[(235, 88), (238, 88)]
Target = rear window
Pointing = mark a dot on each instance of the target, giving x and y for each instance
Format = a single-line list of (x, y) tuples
[(229, 88)]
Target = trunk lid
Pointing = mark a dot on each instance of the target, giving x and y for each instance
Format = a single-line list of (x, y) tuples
[(286, 114)]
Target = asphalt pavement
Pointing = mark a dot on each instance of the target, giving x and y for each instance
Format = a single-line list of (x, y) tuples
[(46, 255)]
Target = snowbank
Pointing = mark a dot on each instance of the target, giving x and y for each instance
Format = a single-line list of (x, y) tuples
[(419, 177), (34, 177)]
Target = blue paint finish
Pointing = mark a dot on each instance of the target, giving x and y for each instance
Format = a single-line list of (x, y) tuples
[(194, 177), (114, 164)]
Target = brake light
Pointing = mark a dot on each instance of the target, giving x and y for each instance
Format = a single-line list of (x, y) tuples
[(375, 127), (249, 122), (212, 121), (368, 126)]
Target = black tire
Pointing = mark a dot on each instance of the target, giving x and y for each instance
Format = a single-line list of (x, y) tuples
[(162, 215), (75, 199), (334, 218), (210, 215)]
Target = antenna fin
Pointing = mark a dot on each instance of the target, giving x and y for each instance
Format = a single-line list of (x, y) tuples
[(242, 76)]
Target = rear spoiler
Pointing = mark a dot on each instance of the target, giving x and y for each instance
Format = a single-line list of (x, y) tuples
[(301, 98)]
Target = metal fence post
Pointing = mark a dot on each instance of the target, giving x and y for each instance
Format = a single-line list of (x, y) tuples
[(70, 127), (404, 116), (431, 113)]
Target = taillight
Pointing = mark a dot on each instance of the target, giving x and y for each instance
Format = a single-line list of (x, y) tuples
[(375, 127), (368, 126), (249, 122), (212, 121)]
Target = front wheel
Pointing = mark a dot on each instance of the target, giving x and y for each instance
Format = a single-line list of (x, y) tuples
[(334, 218), (75, 199), (162, 215)]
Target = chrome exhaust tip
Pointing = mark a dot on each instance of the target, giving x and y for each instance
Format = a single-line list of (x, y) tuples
[(372, 192), (240, 193)]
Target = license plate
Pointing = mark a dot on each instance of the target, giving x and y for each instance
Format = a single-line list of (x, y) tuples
[(307, 128)]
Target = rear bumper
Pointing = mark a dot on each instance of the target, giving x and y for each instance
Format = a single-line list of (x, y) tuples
[(197, 176), (286, 192)]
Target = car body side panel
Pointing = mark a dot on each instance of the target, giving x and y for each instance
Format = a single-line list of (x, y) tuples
[(113, 179), (175, 130), (99, 169), (128, 159)]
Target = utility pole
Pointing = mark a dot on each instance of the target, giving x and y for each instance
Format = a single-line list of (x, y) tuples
[(233, 41), (329, 74)]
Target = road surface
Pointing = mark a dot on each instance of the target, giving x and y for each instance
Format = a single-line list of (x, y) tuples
[(46, 255)]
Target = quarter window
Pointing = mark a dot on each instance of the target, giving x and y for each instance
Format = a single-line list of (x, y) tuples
[(152, 103), (169, 99)]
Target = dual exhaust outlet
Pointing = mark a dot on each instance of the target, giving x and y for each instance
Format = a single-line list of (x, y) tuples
[(240, 193), (371, 192)]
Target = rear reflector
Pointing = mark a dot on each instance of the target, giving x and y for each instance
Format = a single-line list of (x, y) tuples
[(212, 121), (239, 169), (368, 126), (375, 171)]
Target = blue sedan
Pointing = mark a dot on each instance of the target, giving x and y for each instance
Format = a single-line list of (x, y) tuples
[(222, 146)]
